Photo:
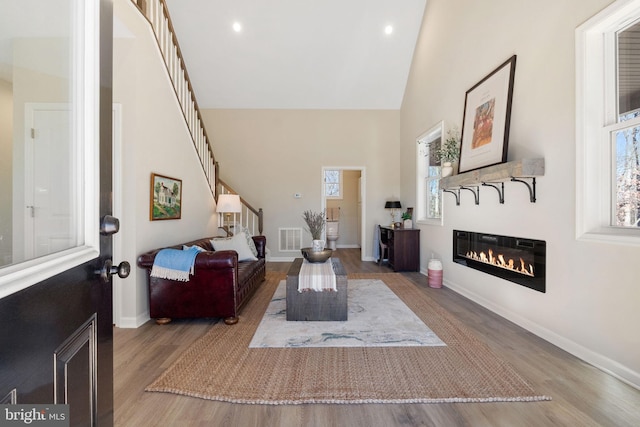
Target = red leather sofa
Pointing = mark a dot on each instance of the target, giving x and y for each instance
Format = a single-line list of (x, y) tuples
[(219, 287)]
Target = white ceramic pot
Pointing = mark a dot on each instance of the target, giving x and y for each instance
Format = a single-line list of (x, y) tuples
[(318, 246), (447, 169)]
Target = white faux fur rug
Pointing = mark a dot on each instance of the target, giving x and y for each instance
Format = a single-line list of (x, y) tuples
[(377, 318)]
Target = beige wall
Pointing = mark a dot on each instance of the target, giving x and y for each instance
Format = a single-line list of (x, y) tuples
[(591, 304), (154, 139), (269, 155)]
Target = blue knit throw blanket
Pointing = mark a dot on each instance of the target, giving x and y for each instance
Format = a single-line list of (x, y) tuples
[(174, 264)]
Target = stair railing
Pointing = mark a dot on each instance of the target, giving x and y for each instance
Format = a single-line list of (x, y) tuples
[(156, 12)]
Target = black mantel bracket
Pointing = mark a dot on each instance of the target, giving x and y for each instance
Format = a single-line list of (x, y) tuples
[(499, 190), (476, 192), (456, 193), (531, 187)]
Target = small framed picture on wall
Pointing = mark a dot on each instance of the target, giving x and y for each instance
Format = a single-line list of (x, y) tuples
[(166, 198)]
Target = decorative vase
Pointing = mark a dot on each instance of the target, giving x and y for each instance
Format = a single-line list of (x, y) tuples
[(434, 270), (408, 223), (447, 169), (318, 245)]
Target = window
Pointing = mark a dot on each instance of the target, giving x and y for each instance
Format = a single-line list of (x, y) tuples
[(626, 142), (626, 203), (49, 140), (333, 183), (608, 125), (429, 210)]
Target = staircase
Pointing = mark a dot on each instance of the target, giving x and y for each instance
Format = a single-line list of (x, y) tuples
[(156, 12)]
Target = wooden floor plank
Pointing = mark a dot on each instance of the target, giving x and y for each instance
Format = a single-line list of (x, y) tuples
[(582, 395)]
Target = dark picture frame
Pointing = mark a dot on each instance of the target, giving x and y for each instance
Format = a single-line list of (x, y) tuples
[(486, 119), (165, 198)]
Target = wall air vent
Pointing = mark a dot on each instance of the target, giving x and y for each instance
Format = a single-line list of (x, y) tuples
[(290, 239)]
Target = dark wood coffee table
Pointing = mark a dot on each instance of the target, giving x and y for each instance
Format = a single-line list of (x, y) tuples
[(317, 306)]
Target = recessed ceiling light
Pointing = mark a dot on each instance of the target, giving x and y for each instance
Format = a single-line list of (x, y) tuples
[(388, 29), (237, 27)]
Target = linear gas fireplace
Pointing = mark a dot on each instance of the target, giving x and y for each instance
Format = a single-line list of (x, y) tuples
[(516, 259)]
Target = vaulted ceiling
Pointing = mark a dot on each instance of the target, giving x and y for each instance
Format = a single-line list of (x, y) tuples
[(298, 54)]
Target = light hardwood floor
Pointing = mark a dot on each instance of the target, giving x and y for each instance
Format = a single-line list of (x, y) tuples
[(582, 395)]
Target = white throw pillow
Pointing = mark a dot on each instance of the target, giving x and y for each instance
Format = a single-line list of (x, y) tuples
[(236, 243), (186, 248), (237, 229)]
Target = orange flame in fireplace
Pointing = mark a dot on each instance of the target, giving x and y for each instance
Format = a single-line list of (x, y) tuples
[(499, 261)]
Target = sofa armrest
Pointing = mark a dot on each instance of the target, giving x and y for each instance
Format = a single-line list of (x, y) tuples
[(261, 245), (146, 259)]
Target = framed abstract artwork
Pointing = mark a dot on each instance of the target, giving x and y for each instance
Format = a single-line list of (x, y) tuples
[(487, 114), (166, 198)]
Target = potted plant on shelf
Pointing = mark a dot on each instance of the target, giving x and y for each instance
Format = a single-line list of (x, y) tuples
[(407, 221), (449, 151), (315, 225)]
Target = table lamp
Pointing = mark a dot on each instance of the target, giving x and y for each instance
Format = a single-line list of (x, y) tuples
[(393, 205), (228, 204)]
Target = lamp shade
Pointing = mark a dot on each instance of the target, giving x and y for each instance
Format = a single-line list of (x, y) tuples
[(229, 203), (395, 204)]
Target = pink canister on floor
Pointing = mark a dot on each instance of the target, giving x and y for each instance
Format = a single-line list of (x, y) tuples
[(434, 272)]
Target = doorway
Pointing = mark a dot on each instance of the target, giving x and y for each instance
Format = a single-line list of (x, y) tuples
[(50, 184), (344, 191)]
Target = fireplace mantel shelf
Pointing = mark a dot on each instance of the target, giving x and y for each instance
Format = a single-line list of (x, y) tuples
[(524, 171)]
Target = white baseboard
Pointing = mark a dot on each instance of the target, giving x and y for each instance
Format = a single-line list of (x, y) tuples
[(134, 322), (605, 364)]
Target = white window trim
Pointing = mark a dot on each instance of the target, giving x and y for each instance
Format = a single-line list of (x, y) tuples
[(595, 78), (15, 278), (421, 178)]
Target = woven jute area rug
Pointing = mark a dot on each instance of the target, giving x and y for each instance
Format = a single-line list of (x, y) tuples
[(221, 366)]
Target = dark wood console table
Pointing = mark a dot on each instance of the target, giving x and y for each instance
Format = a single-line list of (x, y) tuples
[(404, 247)]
